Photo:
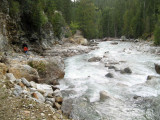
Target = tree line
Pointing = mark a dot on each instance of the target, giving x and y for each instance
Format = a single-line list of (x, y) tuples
[(95, 18)]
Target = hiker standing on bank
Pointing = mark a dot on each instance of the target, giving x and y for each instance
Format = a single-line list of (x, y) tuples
[(25, 48)]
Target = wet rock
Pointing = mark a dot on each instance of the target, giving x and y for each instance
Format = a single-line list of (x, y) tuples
[(126, 70), (67, 106), (10, 77), (94, 59), (150, 77), (157, 68), (20, 71), (136, 97), (50, 103), (25, 82), (103, 95), (54, 88), (114, 43), (112, 67), (109, 75)]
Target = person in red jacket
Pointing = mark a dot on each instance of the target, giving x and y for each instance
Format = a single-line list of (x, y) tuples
[(25, 48)]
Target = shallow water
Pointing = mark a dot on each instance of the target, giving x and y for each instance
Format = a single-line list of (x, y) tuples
[(87, 79)]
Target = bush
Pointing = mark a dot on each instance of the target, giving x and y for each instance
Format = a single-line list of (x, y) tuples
[(74, 27), (14, 8), (157, 35), (58, 22)]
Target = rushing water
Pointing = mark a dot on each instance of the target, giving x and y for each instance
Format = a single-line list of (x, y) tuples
[(131, 96)]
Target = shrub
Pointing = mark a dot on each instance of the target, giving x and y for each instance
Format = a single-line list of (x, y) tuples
[(157, 35), (14, 8), (74, 26)]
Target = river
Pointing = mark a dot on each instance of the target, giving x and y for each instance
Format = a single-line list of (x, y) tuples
[(130, 96)]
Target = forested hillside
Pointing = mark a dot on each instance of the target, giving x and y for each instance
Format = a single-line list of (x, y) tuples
[(95, 18)]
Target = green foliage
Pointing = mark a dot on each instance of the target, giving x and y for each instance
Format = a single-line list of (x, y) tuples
[(14, 8), (40, 66), (74, 26), (157, 35), (58, 22), (86, 18)]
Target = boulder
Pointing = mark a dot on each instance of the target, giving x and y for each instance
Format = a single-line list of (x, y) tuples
[(25, 82), (126, 70), (103, 95), (52, 100), (94, 59), (24, 71), (157, 68), (109, 75)]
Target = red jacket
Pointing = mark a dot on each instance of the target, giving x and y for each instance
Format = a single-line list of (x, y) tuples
[(25, 49)]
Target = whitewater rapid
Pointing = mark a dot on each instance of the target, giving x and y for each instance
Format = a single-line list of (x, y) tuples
[(129, 94)]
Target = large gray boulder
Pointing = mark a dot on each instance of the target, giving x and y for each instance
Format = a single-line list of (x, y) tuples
[(157, 68)]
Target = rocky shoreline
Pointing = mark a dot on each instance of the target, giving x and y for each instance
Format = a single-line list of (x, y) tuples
[(34, 78)]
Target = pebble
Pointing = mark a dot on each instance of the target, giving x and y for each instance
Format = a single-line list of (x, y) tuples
[(42, 114)]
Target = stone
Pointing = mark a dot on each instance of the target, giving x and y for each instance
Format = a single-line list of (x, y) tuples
[(10, 77), (33, 84), (126, 70), (25, 82), (157, 68), (38, 96), (59, 99), (51, 100), (57, 106), (57, 93), (21, 84), (109, 75), (24, 71), (17, 90), (114, 43), (33, 89), (150, 77), (67, 106), (94, 59), (104, 95)]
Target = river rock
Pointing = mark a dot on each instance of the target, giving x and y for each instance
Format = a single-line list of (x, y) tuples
[(67, 106), (33, 84), (126, 70), (157, 68), (94, 59), (114, 43), (57, 93), (57, 106), (38, 96), (109, 75), (104, 95), (10, 77), (59, 99), (20, 71), (25, 82), (17, 90), (150, 77)]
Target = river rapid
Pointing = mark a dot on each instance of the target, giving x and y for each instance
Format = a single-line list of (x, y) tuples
[(130, 96)]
